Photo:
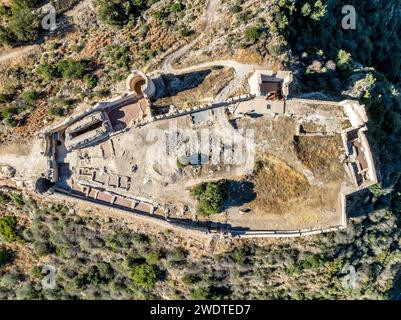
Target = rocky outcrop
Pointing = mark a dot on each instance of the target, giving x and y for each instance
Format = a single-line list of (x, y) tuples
[(7, 172)]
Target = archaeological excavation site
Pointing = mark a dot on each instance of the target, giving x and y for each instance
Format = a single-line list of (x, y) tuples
[(288, 164)]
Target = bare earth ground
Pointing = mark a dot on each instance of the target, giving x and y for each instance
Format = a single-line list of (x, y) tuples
[(290, 195), (205, 92), (25, 158), (297, 179), (286, 165)]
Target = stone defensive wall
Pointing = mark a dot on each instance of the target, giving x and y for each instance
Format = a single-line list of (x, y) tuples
[(355, 112), (201, 228), (204, 107)]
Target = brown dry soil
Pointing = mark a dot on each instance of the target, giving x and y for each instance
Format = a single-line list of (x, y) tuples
[(277, 185), (212, 84), (320, 154), (297, 180)]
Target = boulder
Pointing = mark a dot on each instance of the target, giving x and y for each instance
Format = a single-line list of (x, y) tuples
[(7, 172)]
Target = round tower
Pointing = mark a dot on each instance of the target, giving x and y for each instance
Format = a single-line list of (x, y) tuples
[(140, 83)]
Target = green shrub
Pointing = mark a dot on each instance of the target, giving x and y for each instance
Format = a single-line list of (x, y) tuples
[(8, 228), (184, 31), (235, 8), (153, 257), (145, 275), (204, 293), (43, 248), (18, 199), (210, 196), (143, 31), (71, 69), (319, 10), (90, 80), (101, 273), (178, 255), (4, 198), (36, 272), (176, 7), (30, 96), (344, 59), (158, 15), (190, 278), (9, 280), (376, 189), (27, 292), (22, 22), (239, 255), (47, 72), (306, 9), (120, 13), (55, 111), (312, 262), (77, 47), (102, 93), (252, 34), (54, 45), (11, 122), (9, 112)]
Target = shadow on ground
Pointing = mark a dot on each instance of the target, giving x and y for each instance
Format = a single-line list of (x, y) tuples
[(168, 85)]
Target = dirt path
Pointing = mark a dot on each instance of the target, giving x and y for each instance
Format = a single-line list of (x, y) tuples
[(241, 70), (24, 50), (17, 52)]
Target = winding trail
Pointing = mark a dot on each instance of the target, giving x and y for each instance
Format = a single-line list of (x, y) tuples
[(241, 70), (17, 52)]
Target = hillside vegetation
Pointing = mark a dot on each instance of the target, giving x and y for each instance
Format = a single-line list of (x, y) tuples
[(97, 257)]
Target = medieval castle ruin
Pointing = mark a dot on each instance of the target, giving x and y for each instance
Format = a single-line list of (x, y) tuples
[(97, 155)]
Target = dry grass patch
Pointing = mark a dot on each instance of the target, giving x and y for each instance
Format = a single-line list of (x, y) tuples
[(248, 56), (320, 154), (211, 85), (19, 148), (312, 127), (277, 185)]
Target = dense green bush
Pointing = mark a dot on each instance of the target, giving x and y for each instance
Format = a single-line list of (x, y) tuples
[(21, 22), (90, 80), (153, 257), (47, 72), (71, 69), (8, 228), (9, 112), (313, 25), (176, 7), (18, 199), (210, 196), (55, 111), (239, 255), (9, 280), (120, 12), (4, 198), (252, 34), (11, 122), (205, 293), (190, 278), (30, 96), (101, 273), (145, 275), (310, 263)]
